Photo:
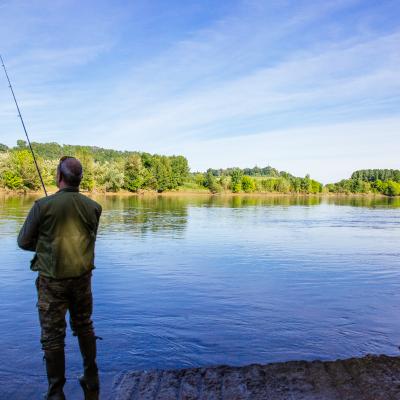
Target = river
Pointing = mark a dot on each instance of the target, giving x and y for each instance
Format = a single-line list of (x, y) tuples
[(192, 281)]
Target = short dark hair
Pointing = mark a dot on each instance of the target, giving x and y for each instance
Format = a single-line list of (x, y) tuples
[(71, 171)]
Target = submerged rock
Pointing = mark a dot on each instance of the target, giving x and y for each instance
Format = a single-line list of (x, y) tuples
[(367, 378)]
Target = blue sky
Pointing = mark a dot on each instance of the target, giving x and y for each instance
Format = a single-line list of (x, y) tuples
[(304, 86)]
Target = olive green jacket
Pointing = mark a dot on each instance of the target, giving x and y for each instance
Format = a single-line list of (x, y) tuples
[(62, 230)]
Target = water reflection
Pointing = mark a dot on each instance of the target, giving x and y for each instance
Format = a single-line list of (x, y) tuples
[(364, 201), (176, 203), (141, 215)]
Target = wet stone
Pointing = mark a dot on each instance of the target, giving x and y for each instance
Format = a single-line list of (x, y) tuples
[(169, 385), (191, 385), (366, 378), (212, 384)]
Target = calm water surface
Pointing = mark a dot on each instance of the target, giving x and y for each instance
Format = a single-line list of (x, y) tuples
[(184, 281)]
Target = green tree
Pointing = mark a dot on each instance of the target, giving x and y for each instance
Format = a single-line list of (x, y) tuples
[(331, 187), (296, 184), (224, 182), (11, 180), (135, 173), (49, 171), (87, 161), (378, 186), (22, 166), (248, 184), (236, 180), (268, 184), (210, 182), (199, 178), (161, 173), (109, 176), (282, 185), (179, 170), (21, 144), (315, 187), (392, 188), (305, 185)]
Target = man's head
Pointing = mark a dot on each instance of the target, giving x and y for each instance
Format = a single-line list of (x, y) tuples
[(69, 172)]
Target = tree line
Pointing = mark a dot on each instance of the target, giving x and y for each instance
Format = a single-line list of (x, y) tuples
[(236, 180), (383, 181), (112, 170), (372, 175), (104, 170)]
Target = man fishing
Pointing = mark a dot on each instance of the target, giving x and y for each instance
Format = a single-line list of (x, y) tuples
[(62, 229)]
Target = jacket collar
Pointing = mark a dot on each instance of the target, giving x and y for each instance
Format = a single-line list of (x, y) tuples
[(69, 189)]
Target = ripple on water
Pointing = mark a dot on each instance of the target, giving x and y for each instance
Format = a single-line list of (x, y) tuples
[(201, 281)]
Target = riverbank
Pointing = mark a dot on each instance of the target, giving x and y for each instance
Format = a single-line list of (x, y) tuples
[(183, 193), (367, 378)]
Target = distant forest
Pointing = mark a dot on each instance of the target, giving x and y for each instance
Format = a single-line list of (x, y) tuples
[(111, 171)]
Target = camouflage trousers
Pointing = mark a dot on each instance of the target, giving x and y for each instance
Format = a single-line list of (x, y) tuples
[(55, 298)]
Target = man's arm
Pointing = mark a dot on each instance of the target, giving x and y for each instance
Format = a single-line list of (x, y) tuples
[(98, 214), (28, 234)]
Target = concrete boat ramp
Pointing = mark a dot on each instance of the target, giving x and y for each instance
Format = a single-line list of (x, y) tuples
[(367, 378)]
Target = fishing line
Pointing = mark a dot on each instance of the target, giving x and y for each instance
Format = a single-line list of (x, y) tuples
[(23, 125)]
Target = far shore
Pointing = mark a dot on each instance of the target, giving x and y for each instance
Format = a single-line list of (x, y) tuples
[(189, 193)]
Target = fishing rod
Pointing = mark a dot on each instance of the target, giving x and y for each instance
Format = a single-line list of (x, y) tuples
[(23, 125)]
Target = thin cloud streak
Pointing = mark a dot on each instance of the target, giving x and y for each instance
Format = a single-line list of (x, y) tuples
[(304, 150), (284, 88)]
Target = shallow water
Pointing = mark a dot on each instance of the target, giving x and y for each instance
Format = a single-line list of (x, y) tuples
[(194, 281)]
